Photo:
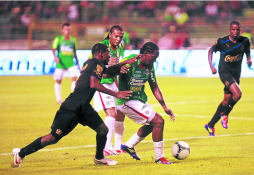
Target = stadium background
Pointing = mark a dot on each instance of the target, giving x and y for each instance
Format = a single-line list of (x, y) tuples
[(27, 103)]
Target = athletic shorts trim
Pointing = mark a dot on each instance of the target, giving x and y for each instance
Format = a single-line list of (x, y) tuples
[(105, 101), (140, 113), (59, 73)]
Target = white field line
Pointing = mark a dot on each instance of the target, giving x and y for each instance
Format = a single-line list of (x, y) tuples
[(186, 138)]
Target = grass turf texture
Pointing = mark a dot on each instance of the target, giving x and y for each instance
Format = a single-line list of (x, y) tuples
[(28, 107)]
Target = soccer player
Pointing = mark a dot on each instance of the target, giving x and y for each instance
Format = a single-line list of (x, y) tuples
[(66, 47), (232, 48), (106, 101), (77, 109), (137, 108)]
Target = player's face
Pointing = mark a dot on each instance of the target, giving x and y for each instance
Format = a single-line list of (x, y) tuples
[(235, 30), (148, 58), (66, 30), (116, 37), (105, 57)]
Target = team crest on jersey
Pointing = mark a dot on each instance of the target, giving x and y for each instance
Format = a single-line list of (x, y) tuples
[(84, 67), (226, 83), (147, 71), (58, 132), (98, 70)]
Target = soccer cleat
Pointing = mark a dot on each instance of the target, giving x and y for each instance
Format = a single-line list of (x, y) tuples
[(224, 121), (210, 130), (163, 161), (119, 151), (130, 151), (110, 153), (105, 161), (17, 160)]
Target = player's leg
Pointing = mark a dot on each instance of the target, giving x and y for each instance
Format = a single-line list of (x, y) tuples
[(94, 121), (119, 130), (72, 72), (64, 122), (58, 76)]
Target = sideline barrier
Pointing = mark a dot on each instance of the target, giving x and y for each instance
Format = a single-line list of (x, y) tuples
[(188, 63)]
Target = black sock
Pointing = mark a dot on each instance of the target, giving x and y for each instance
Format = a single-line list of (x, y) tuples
[(216, 116), (229, 106), (101, 142), (31, 148)]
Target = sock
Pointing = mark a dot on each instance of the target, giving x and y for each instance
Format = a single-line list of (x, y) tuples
[(109, 122), (58, 92), (158, 146), (229, 106), (216, 116), (31, 148), (73, 84), (134, 140), (100, 144), (119, 129)]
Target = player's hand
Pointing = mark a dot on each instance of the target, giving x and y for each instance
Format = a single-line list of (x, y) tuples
[(249, 63), (124, 69), (113, 61), (56, 59), (132, 60), (124, 94), (214, 71), (170, 113)]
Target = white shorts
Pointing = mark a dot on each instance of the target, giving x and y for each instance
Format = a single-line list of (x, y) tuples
[(137, 111), (105, 101), (59, 73)]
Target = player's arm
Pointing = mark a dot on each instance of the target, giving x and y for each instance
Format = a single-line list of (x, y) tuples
[(158, 95), (54, 47), (95, 84), (210, 59), (247, 52)]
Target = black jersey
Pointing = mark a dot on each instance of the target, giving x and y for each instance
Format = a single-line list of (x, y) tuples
[(79, 99), (231, 54)]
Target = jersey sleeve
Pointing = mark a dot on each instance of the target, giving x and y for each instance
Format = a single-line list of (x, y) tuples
[(216, 46), (152, 76), (247, 45), (55, 43), (93, 68)]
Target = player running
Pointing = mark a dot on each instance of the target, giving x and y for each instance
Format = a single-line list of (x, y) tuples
[(137, 108), (232, 49), (66, 46), (77, 109), (108, 102)]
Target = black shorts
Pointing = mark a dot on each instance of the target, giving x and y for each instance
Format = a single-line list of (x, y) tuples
[(66, 120), (228, 80)]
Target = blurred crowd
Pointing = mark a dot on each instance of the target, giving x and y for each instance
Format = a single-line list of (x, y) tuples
[(173, 15)]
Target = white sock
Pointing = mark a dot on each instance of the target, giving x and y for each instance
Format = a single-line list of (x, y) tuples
[(119, 129), (57, 88), (158, 146), (73, 83), (109, 122), (134, 140)]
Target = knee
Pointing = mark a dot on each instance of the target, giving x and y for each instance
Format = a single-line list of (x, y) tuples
[(103, 131), (237, 96), (159, 122)]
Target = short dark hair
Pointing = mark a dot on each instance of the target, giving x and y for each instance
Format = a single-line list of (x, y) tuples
[(235, 22), (99, 47), (114, 27), (66, 24), (149, 47)]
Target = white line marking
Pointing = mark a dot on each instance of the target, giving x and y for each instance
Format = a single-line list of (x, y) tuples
[(186, 138)]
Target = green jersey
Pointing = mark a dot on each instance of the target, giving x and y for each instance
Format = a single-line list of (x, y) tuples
[(135, 80), (66, 50), (118, 52)]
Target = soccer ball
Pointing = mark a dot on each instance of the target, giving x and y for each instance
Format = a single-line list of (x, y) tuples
[(180, 150)]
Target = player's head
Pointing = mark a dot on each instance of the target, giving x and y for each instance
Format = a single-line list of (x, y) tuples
[(101, 52), (66, 29), (115, 35), (235, 29), (149, 51)]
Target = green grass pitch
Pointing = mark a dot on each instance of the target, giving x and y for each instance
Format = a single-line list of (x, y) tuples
[(28, 107)]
